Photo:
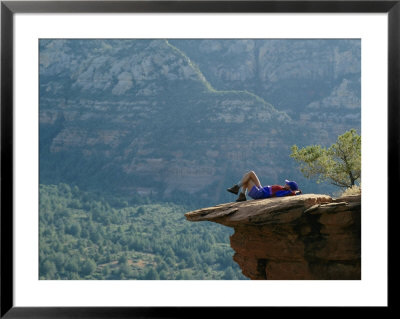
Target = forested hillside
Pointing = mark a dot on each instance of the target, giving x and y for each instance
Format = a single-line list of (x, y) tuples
[(86, 236)]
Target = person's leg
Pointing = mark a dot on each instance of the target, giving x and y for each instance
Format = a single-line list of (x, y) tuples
[(244, 183), (250, 176), (248, 186), (248, 181)]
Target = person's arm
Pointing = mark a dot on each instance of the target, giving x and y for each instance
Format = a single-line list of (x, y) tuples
[(284, 193), (287, 193)]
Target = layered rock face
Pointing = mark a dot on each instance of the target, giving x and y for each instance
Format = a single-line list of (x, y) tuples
[(305, 237), (309, 79), (139, 117), (167, 117)]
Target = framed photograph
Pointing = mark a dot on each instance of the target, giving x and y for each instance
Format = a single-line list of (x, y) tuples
[(127, 125)]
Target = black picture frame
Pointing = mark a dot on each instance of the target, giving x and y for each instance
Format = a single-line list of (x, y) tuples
[(9, 8)]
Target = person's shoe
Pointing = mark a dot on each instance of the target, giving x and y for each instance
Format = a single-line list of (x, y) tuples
[(234, 189), (241, 198)]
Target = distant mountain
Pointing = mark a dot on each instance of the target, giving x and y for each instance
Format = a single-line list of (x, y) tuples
[(316, 81), (151, 117)]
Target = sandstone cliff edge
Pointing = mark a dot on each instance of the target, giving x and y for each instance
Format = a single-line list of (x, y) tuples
[(310, 236)]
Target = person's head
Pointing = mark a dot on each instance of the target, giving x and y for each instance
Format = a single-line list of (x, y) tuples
[(291, 185)]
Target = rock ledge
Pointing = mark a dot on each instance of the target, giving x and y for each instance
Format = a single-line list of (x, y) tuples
[(310, 236)]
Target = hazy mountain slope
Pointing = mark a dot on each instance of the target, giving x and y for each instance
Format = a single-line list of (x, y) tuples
[(139, 116), (316, 81)]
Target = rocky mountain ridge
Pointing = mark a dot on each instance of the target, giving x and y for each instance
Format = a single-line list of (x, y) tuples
[(310, 79), (305, 237), (142, 117)]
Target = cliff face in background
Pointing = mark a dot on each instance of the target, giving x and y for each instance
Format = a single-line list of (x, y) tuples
[(310, 79), (189, 117), (301, 237), (139, 117)]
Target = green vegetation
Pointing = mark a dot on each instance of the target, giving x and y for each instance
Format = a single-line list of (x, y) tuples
[(193, 66), (340, 164), (82, 235), (354, 190)]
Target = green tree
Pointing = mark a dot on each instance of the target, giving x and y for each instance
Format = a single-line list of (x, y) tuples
[(88, 267), (152, 275), (48, 269), (140, 210), (105, 271), (126, 270), (72, 265), (122, 259), (74, 229), (229, 274), (340, 164), (59, 261)]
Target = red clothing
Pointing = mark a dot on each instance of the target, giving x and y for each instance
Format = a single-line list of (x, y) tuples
[(278, 188)]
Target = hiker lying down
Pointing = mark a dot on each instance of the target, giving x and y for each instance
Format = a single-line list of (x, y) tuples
[(255, 190)]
